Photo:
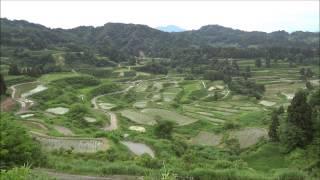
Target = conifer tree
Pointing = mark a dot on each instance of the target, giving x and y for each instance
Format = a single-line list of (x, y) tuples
[(273, 128)]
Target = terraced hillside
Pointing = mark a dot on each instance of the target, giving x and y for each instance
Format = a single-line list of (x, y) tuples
[(109, 124)]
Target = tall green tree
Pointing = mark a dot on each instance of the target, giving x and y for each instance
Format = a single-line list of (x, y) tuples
[(3, 87), (268, 63), (258, 62), (248, 71), (300, 119), (280, 110), (274, 126)]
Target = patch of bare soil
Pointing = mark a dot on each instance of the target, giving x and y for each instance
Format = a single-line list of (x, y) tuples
[(249, 136), (206, 138), (7, 105)]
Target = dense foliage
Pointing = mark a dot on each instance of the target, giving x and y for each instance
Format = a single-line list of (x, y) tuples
[(247, 87), (17, 147)]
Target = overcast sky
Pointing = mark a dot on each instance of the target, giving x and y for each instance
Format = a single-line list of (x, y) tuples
[(246, 15)]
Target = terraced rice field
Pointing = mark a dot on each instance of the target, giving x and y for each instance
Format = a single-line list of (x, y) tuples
[(170, 93), (138, 117), (221, 111), (140, 104), (58, 110), (169, 115), (23, 88), (80, 145), (138, 148)]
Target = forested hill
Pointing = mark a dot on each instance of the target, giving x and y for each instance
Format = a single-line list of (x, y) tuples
[(113, 39)]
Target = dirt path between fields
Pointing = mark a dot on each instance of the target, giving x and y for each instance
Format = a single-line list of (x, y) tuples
[(25, 103), (204, 84), (226, 95), (66, 176)]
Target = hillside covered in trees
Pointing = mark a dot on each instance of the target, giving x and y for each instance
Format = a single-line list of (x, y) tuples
[(115, 39)]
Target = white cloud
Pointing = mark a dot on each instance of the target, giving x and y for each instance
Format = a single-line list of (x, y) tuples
[(247, 15)]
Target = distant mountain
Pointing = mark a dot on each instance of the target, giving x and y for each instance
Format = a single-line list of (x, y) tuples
[(170, 28)]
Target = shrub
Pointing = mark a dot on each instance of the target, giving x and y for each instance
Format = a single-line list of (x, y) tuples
[(233, 146), (179, 147), (230, 125), (146, 161), (164, 129), (77, 113)]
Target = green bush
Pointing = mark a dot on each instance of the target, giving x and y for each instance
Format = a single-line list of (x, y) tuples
[(164, 129), (146, 160), (77, 113), (230, 125)]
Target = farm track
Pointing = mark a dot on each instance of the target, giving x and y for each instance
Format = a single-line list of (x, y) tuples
[(25, 103), (113, 117), (66, 176)]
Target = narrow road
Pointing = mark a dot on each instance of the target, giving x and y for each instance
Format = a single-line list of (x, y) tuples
[(66, 176), (204, 84), (113, 117), (25, 103), (226, 95)]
